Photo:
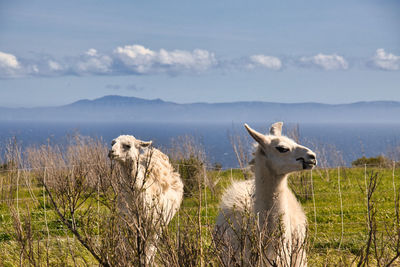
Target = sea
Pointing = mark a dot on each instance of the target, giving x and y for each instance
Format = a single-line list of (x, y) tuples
[(335, 144)]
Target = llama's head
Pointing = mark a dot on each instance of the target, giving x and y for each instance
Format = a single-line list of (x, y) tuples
[(279, 153), (126, 148)]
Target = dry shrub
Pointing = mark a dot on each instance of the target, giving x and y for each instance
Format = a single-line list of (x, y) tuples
[(244, 242), (379, 161), (181, 246), (32, 249), (240, 144), (82, 163), (189, 159), (294, 133), (25, 240), (74, 177), (393, 153), (382, 246), (95, 200), (300, 183)]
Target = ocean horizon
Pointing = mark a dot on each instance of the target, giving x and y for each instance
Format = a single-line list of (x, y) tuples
[(335, 144)]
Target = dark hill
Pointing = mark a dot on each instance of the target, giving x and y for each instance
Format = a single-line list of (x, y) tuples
[(131, 109)]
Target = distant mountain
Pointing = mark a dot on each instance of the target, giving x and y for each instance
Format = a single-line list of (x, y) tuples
[(132, 109)]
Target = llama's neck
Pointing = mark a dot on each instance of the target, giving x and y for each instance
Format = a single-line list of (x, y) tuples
[(133, 173), (270, 190)]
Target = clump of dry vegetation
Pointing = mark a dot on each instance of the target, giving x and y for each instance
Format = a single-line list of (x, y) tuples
[(189, 159), (82, 186)]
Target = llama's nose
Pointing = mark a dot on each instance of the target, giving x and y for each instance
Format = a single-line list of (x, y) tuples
[(111, 154), (312, 157)]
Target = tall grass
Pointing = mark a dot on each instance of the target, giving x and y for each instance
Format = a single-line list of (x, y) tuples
[(59, 206)]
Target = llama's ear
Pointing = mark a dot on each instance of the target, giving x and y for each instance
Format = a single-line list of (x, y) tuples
[(259, 137), (145, 144), (276, 129)]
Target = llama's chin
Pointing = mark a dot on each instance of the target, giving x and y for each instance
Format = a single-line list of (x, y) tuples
[(308, 165), (111, 155)]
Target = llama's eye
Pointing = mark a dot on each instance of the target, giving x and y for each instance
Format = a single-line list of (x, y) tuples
[(125, 146), (282, 149), (113, 142)]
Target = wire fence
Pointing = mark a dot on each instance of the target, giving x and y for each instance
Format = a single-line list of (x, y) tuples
[(335, 201)]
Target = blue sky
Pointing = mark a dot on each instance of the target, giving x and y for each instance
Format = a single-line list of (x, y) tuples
[(56, 52)]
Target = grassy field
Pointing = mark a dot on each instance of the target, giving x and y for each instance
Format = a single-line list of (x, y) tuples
[(334, 200)]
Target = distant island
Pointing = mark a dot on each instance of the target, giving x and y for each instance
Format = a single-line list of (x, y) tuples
[(132, 109)]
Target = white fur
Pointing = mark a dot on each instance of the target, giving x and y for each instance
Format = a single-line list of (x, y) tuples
[(268, 198), (161, 185)]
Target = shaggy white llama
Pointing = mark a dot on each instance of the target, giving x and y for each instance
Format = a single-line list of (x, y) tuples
[(153, 175), (268, 199)]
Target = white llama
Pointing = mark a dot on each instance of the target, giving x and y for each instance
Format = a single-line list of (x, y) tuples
[(153, 176), (269, 200)]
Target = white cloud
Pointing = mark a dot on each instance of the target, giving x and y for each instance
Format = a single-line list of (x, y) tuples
[(386, 61), (135, 57), (34, 69), (93, 62), (327, 62), (9, 66), (130, 59), (142, 60), (8, 61), (54, 66), (268, 62), (198, 59), (91, 52)]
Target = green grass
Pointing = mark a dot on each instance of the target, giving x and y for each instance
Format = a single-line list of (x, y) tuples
[(332, 240), (325, 220)]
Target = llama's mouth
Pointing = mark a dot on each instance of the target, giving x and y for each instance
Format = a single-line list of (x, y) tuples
[(307, 165), (111, 154)]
